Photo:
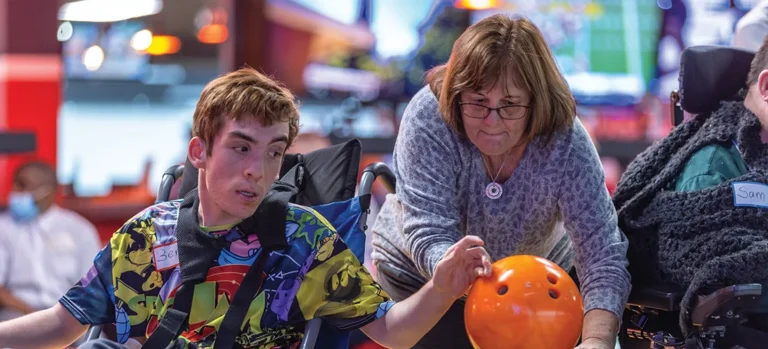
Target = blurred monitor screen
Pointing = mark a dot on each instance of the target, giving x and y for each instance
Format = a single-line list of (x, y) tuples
[(606, 49)]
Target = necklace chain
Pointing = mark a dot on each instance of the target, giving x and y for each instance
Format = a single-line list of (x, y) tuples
[(488, 168)]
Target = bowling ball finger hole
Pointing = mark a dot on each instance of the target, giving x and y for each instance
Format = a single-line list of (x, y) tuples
[(503, 290), (554, 293), (552, 278)]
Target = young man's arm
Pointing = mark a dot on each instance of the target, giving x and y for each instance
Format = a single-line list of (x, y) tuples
[(411, 319), (54, 328), (408, 321), (87, 302)]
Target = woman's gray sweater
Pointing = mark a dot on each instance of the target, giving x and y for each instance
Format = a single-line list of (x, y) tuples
[(555, 205)]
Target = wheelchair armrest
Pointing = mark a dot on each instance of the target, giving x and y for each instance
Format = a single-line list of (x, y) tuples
[(725, 305), (311, 332), (94, 332), (665, 297)]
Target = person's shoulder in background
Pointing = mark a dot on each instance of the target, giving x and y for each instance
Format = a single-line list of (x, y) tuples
[(7, 229), (5, 220), (79, 229), (72, 217), (55, 216)]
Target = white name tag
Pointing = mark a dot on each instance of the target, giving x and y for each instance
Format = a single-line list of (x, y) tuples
[(166, 256), (750, 194)]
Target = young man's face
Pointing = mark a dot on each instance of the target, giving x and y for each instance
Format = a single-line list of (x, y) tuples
[(757, 102), (244, 161)]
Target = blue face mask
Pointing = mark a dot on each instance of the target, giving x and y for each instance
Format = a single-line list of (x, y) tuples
[(22, 206)]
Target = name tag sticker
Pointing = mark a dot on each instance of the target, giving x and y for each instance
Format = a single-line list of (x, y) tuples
[(166, 256), (750, 194)]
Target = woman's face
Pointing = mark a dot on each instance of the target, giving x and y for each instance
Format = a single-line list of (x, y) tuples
[(496, 132)]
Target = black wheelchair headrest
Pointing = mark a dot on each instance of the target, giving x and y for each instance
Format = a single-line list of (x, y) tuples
[(327, 175), (710, 74)]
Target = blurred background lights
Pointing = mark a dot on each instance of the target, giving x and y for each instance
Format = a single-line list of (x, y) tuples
[(141, 40), (93, 57)]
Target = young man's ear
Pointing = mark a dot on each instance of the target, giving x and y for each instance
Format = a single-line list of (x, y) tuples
[(762, 85), (197, 153)]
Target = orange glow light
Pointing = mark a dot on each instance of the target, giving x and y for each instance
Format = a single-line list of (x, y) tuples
[(164, 45), (213, 34), (477, 4)]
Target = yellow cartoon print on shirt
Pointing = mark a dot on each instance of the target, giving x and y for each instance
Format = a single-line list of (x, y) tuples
[(315, 276)]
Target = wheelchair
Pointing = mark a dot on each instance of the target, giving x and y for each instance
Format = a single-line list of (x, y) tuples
[(720, 316), (326, 180)]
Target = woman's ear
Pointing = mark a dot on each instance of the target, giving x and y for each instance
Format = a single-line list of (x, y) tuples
[(197, 152)]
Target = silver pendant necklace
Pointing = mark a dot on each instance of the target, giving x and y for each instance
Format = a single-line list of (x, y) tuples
[(494, 190)]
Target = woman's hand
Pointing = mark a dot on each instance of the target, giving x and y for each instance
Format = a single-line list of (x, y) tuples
[(462, 263), (594, 343)]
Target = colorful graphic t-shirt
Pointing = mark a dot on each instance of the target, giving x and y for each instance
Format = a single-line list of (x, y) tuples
[(135, 277)]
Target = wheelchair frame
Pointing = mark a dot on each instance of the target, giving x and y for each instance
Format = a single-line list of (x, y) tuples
[(717, 312), (371, 172)]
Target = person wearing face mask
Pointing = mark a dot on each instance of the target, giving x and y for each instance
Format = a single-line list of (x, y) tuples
[(44, 248), (492, 147)]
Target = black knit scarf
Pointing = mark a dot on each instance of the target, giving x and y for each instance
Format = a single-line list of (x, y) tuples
[(698, 238)]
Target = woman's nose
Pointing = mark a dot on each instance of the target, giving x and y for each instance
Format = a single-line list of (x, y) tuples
[(492, 118)]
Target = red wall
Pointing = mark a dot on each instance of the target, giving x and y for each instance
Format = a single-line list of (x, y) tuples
[(30, 79)]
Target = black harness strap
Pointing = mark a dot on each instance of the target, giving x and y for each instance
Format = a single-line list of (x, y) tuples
[(274, 207), (196, 254), (231, 325), (198, 251)]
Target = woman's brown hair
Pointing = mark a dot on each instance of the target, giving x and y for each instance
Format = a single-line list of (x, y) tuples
[(490, 52)]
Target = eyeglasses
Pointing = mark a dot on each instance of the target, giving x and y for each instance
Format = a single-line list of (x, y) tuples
[(507, 112)]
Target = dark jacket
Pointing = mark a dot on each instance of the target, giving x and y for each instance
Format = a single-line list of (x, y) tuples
[(698, 238)]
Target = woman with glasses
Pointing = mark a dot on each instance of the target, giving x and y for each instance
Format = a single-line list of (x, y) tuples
[(492, 147)]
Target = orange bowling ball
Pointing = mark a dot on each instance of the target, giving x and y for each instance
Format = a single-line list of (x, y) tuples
[(527, 302)]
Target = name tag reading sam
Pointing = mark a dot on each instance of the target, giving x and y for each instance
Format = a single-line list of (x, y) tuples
[(166, 256), (750, 194)]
